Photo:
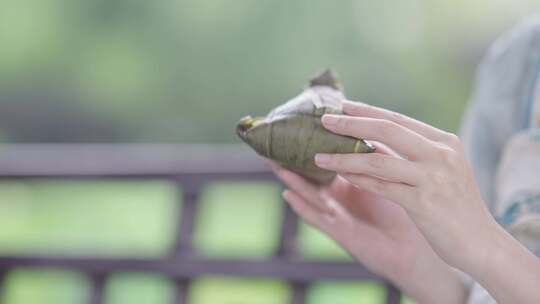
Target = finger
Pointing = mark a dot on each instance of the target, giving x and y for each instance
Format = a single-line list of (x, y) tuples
[(309, 214), (365, 110), (399, 193), (273, 166), (305, 189), (383, 166), (403, 140)]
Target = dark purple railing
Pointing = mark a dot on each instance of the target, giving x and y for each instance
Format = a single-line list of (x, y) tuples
[(191, 168)]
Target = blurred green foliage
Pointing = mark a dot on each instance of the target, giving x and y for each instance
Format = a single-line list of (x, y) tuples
[(344, 293), (130, 288), (98, 218), (228, 290), (245, 225), (29, 286), (186, 70)]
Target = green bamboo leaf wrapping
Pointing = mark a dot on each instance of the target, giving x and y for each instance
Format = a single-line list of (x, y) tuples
[(292, 133)]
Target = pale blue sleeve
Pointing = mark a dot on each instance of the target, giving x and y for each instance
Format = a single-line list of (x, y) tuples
[(500, 133)]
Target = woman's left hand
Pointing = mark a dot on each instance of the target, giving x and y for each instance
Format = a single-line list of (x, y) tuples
[(432, 180)]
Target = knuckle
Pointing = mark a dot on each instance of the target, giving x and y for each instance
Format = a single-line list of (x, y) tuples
[(345, 123), (387, 127), (437, 177), (446, 155), (376, 162), (398, 117), (378, 186), (452, 140), (336, 160)]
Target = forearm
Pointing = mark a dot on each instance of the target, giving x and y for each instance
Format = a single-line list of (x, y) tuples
[(508, 271), (434, 282)]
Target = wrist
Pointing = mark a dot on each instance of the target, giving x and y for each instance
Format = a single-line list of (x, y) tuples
[(433, 281), (485, 250), (508, 271)]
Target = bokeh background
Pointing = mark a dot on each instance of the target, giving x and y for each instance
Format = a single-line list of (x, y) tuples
[(184, 71)]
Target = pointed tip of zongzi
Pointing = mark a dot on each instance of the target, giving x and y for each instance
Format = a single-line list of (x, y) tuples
[(326, 78)]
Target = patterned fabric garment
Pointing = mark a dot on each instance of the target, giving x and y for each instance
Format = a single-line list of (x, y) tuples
[(501, 134)]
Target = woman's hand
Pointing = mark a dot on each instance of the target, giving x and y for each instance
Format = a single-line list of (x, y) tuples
[(432, 182), (377, 232)]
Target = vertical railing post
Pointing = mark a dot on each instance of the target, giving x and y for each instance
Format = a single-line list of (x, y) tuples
[(393, 295), (288, 231), (288, 250), (3, 273), (181, 287), (298, 292), (184, 235), (97, 287)]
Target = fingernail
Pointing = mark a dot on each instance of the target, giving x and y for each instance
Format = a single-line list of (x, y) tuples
[(346, 103), (348, 106), (286, 176), (286, 195), (321, 158), (330, 120)]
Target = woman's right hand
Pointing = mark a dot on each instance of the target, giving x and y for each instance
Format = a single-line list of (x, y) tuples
[(375, 231)]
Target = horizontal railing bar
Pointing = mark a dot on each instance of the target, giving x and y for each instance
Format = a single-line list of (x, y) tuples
[(296, 271), (185, 177), (101, 160)]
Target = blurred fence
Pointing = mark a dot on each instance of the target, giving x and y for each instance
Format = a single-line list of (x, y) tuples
[(191, 167)]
